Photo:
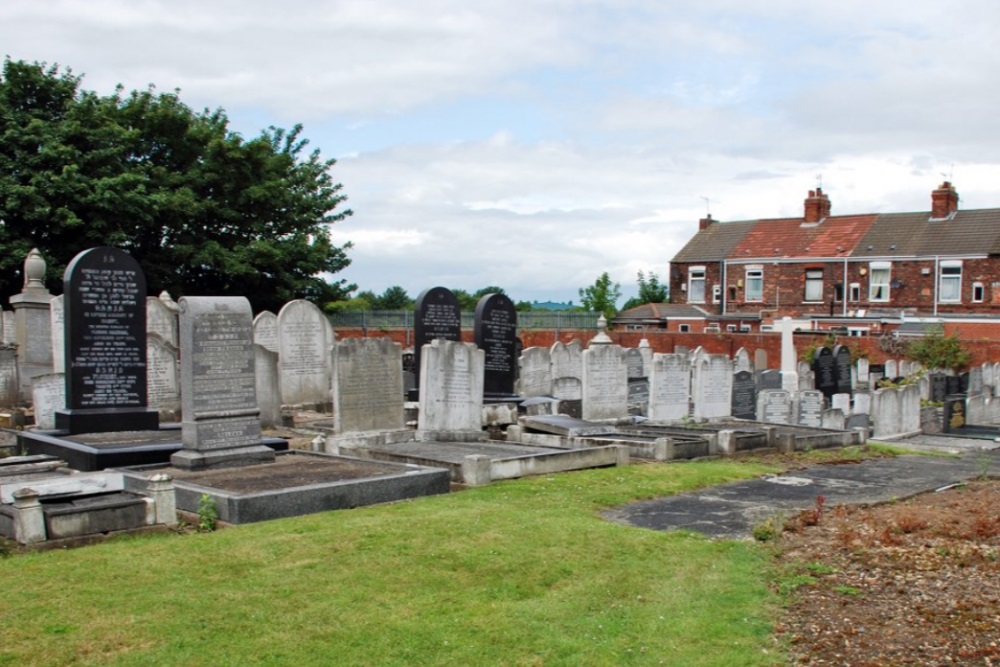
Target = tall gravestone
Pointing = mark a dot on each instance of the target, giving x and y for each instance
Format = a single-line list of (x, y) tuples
[(496, 336), (669, 387), (823, 367), (712, 387), (744, 402), (268, 387), (605, 383), (265, 330), (638, 382), (221, 424), (451, 391), (303, 354), (842, 370), (161, 319), (437, 316), (104, 292), (367, 386), (162, 375), (32, 323)]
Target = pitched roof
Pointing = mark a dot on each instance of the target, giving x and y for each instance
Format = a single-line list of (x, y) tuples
[(714, 242), (790, 237), (905, 234), (662, 311)]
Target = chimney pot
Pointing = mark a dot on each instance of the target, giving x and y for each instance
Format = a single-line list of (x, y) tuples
[(944, 201)]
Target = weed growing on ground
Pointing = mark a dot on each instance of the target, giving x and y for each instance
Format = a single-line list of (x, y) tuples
[(208, 513)]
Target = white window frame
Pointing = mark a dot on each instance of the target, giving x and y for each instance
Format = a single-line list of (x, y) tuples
[(716, 293), (696, 274), (854, 292), (813, 281), (684, 328), (879, 292), (978, 292), (757, 276), (950, 281)]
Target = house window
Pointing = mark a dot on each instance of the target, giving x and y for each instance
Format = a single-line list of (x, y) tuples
[(878, 281), (716, 293), (838, 292), (755, 285), (684, 328), (854, 292), (814, 285), (950, 286), (696, 284), (978, 292)]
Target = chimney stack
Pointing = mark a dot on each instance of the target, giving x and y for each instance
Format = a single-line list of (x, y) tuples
[(705, 222), (817, 206), (944, 201)]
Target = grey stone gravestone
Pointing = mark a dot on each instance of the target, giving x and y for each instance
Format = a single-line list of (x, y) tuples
[(265, 330), (105, 311), (48, 395), (861, 380), (744, 402), (451, 391), (10, 385), (605, 383), (496, 336), (535, 377), (9, 326), (975, 381), (367, 386), (842, 368), (303, 354), (163, 391), (267, 386), (823, 368), (161, 319), (437, 316), (774, 406), (939, 386), (669, 387), (58, 319), (741, 361), (810, 408), (221, 419), (760, 360), (712, 387), (638, 382), (32, 323)]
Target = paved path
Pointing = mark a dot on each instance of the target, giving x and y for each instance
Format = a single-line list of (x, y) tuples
[(730, 511)]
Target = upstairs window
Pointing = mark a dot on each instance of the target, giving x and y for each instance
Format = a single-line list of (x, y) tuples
[(878, 281), (814, 285), (854, 292), (755, 285), (696, 284), (978, 292), (950, 285)]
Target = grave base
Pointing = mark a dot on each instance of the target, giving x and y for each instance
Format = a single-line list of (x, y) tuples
[(104, 420), (97, 451), (191, 459)]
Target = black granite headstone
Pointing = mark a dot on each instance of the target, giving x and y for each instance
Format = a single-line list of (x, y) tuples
[(105, 344), (842, 369), (437, 315), (954, 413), (823, 369), (496, 336), (939, 386), (744, 404), (963, 383), (769, 379), (953, 384)]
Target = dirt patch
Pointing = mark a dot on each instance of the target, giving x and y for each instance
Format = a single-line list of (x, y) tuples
[(915, 582)]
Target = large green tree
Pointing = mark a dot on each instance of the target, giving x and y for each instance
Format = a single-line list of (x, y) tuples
[(602, 296), (651, 290), (203, 210)]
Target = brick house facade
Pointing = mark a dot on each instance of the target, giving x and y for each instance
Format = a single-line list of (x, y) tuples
[(845, 271)]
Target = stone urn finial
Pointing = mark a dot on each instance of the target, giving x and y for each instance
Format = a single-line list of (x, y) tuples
[(602, 337), (34, 270)]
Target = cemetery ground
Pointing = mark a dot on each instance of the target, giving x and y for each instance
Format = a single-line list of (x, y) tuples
[(524, 572)]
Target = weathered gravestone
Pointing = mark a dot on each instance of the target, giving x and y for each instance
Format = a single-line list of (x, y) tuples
[(367, 386), (268, 386), (437, 316), (105, 343), (163, 391), (605, 383), (451, 391), (712, 387), (638, 382), (810, 408), (9, 380), (938, 386), (669, 387), (265, 330), (58, 319), (744, 402), (769, 379), (496, 336), (221, 423), (823, 368), (48, 394), (774, 406), (842, 367), (161, 319), (303, 354), (535, 377), (567, 376)]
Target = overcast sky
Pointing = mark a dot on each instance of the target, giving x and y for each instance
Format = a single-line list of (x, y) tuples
[(536, 144)]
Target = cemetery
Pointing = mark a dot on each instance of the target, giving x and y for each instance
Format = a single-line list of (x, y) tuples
[(140, 406)]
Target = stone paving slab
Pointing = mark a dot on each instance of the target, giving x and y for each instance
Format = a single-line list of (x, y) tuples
[(730, 511)]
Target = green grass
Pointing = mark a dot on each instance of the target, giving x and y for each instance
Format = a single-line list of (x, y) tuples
[(515, 573)]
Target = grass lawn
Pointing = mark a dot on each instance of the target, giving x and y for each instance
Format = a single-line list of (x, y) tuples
[(516, 573)]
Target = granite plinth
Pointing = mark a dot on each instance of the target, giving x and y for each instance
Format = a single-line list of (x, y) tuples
[(97, 451), (89, 420), (296, 483)]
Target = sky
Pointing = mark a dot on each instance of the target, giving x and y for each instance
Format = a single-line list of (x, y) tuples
[(535, 144)]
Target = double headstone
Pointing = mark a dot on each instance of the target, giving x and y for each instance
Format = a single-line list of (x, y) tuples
[(105, 344)]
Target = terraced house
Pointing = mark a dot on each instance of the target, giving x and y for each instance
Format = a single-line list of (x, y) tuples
[(857, 274)]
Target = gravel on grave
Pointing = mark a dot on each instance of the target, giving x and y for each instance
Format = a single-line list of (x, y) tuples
[(287, 471), (914, 582)]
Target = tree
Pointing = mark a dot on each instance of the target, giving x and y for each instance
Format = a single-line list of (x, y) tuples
[(394, 298), (936, 350), (602, 296), (203, 210), (651, 290)]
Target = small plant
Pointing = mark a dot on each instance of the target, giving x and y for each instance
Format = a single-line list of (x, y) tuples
[(767, 530), (847, 590), (812, 517), (208, 513), (984, 461)]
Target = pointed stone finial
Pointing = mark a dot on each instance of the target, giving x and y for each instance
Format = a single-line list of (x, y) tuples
[(602, 337)]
